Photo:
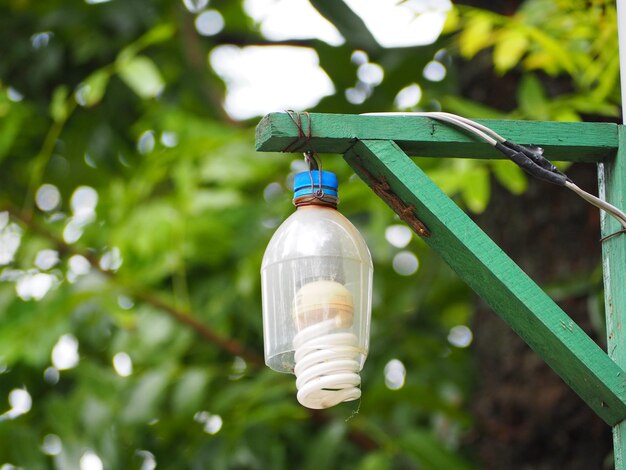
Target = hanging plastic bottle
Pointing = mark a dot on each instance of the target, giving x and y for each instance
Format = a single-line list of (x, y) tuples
[(316, 280)]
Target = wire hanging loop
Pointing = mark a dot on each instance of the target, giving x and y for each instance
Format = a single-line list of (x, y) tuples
[(314, 162), (296, 117), (311, 157)]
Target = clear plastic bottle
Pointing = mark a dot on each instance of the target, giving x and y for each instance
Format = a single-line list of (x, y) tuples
[(316, 280)]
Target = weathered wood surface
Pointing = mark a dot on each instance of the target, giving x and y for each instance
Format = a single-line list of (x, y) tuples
[(495, 277), (419, 136), (612, 184)]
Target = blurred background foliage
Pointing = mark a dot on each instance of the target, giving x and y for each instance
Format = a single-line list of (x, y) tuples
[(134, 213)]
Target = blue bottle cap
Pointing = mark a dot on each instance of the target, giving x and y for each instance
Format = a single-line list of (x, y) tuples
[(309, 183)]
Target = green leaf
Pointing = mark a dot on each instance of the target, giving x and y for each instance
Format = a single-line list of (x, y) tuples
[(325, 447), (532, 99), (144, 400), (468, 108), (449, 181), (158, 34), (609, 79), (456, 314), (452, 22), (559, 53), (566, 115), (10, 127), (430, 453), (189, 391), (208, 199), (510, 176), (375, 461), (142, 76), (93, 88), (592, 105), (476, 36), (509, 49), (476, 189)]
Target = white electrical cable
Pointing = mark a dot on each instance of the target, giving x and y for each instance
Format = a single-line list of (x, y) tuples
[(327, 365), (493, 138), (463, 123), (477, 125), (599, 203), (442, 115)]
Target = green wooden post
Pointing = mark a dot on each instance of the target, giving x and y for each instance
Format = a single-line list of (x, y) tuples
[(612, 184), (377, 147)]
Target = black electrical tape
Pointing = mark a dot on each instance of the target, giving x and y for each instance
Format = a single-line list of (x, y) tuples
[(527, 164), (533, 152)]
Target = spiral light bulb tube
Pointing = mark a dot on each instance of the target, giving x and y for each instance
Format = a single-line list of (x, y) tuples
[(326, 354), (327, 366)]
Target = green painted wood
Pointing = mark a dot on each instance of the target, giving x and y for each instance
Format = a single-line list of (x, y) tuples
[(336, 133), (494, 276), (612, 184)]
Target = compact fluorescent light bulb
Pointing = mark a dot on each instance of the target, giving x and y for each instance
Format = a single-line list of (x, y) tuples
[(316, 279)]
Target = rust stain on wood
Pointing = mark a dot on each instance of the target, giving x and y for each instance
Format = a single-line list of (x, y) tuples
[(406, 212)]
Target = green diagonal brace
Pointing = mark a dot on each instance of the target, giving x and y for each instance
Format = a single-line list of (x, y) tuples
[(370, 148), (496, 278)]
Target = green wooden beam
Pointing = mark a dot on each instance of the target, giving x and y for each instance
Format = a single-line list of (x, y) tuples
[(418, 136), (493, 275), (612, 184)]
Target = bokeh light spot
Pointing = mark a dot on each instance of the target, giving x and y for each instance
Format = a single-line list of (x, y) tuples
[(65, 353), (460, 336), (169, 139), (370, 73), (435, 71), (10, 239), (209, 23), (83, 202), (51, 375), (40, 40), (90, 461), (195, 6), (46, 259), (408, 97), (398, 235), (21, 402), (52, 444), (14, 95), (47, 197), (123, 364), (212, 423), (272, 192), (395, 374), (359, 57), (405, 263), (146, 142), (34, 286), (111, 260)]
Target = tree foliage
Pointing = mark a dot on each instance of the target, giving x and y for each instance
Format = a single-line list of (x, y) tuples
[(134, 214)]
